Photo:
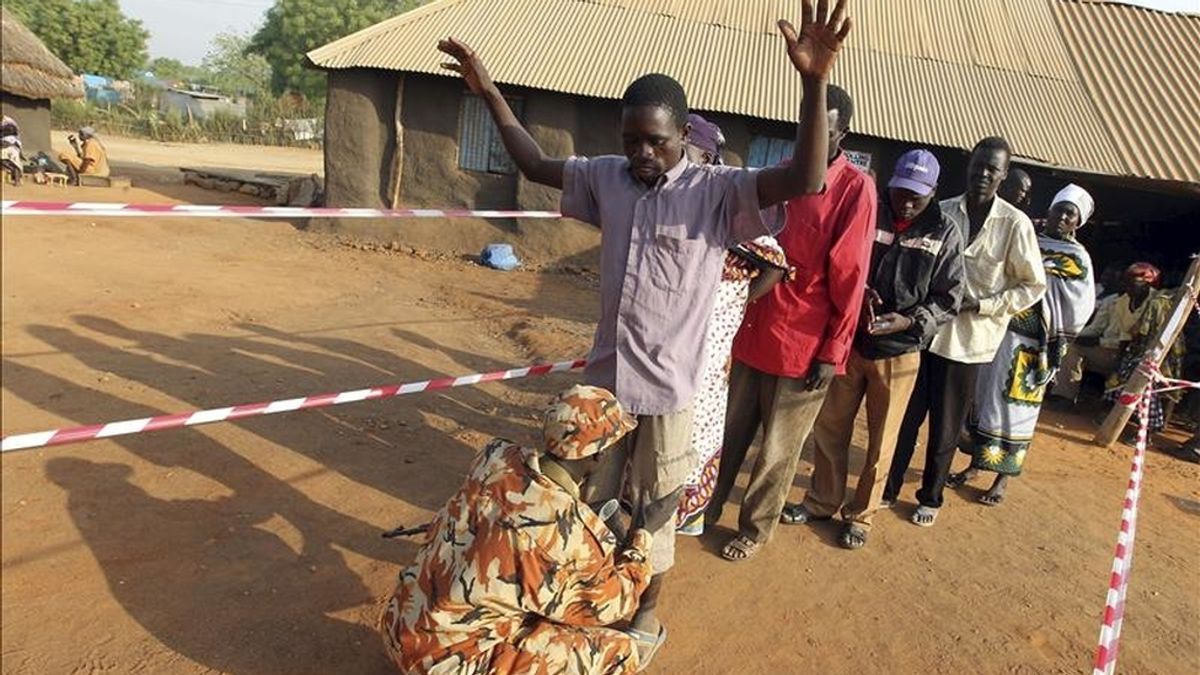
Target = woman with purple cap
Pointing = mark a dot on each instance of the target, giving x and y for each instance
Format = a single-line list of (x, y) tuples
[(1009, 391), (750, 270)]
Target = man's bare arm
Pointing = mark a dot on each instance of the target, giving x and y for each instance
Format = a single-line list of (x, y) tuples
[(525, 151), (812, 52)]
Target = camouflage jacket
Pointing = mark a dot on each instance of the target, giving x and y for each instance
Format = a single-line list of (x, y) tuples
[(510, 548)]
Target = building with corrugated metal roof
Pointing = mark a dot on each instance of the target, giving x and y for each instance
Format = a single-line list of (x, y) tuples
[(1093, 92)]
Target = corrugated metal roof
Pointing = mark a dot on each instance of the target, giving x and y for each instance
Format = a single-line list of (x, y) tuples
[(1142, 68), (923, 71)]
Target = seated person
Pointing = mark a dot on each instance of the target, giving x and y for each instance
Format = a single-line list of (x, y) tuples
[(1102, 342), (1152, 318), (90, 160), (10, 149), (516, 573)]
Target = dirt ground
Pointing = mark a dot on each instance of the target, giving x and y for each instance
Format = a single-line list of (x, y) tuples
[(123, 151), (254, 547)]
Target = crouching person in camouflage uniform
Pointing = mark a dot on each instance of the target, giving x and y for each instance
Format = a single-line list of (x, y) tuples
[(516, 574)]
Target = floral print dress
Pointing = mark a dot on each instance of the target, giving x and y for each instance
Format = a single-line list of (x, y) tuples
[(742, 264)]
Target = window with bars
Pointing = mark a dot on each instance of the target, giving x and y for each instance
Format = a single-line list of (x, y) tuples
[(479, 144), (767, 151)]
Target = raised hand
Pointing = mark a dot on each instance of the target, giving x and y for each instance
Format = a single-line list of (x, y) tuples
[(467, 64), (815, 48)]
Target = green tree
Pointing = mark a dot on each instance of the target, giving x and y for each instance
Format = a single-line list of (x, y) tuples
[(233, 69), (90, 36), (165, 68), (295, 27)]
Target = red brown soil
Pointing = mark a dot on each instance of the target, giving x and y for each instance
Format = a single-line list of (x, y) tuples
[(254, 547)]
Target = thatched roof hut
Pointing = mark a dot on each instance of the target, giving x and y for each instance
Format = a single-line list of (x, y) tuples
[(28, 68), (31, 75)]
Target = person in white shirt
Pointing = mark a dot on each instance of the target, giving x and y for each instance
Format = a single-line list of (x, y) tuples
[(1004, 276)]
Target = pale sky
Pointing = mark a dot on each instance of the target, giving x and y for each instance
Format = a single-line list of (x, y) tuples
[(182, 29)]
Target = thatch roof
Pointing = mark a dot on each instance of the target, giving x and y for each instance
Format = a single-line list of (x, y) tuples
[(28, 68)]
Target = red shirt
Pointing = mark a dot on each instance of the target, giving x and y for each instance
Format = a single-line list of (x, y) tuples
[(828, 241)]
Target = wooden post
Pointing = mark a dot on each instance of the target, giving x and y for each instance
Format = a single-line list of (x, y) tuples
[(398, 153), (1185, 301)]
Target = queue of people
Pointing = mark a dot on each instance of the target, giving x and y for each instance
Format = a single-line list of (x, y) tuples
[(734, 301)]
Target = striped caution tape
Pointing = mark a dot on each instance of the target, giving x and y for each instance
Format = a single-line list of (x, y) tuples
[(103, 209), (1118, 581), (190, 419)]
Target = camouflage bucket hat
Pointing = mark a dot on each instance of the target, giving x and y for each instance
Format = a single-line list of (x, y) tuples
[(583, 421)]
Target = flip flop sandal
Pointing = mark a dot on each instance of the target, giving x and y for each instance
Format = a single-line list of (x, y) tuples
[(853, 537), (991, 500), (924, 511), (741, 544), (797, 514), (957, 480), (652, 643)]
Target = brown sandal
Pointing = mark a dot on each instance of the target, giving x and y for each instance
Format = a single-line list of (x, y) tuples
[(740, 548)]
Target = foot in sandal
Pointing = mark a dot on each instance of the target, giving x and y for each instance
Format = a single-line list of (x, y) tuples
[(740, 548), (924, 516), (853, 537), (995, 496), (648, 644), (957, 480), (798, 514)]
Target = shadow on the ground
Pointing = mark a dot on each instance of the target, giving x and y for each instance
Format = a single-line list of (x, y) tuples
[(1188, 506), (372, 443), (215, 579), (254, 578)]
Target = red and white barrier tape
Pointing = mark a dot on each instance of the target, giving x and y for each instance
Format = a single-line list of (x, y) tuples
[(191, 419), (1118, 582), (102, 209)]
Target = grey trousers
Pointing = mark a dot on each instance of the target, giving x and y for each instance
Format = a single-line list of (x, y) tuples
[(785, 412)]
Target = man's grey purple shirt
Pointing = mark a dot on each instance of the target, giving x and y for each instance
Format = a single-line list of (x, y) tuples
[(661, 253)]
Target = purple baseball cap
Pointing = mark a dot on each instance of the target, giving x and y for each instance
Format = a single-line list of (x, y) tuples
[(916, 170), (706, 136)]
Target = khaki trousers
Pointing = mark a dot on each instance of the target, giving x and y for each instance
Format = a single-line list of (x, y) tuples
[(887, 385), (785, 411), (655, 458)]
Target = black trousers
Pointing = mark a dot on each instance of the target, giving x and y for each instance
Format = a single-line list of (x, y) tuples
[(943, 391)]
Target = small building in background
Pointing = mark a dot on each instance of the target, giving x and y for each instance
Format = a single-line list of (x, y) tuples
[(105, 90), (198, 104), (31, 75)]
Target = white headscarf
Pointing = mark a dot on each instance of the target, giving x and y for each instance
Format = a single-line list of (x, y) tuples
[(1080, 198)]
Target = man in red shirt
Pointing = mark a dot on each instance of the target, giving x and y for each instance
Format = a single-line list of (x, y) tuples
[(796, 338)]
